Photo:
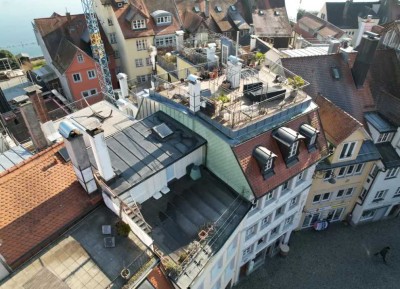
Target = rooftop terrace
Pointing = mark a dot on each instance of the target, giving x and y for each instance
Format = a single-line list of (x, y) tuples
[(261, 93)]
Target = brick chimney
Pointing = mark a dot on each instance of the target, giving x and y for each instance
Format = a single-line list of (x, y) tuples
[(35, 96), (31, 121)]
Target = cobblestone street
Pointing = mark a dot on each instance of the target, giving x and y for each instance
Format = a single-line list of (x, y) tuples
[(341, 257)]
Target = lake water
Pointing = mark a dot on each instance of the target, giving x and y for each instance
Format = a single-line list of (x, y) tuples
[(16, 17)]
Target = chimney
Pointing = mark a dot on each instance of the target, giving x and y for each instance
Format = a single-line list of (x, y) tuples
[(76, 148), (299, 42), (364, 25), (123, 84), (194, 92), (68, 16), (334, 46), (101, 154), (35, 96), (33, 125), (365, 56), (211, 47), (207, 9), (179, 40), (253, 41), (233, 71)]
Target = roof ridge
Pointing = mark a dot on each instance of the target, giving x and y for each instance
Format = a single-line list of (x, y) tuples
[(58, 16), (30, 159)]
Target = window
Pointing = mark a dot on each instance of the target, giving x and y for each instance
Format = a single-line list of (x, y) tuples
[(227, 34), (380, 195), (342, 172), (339, 194), (322, 197), (385, 137), (328, 174), (116, 54), (299, 177), (274, 231), (110, 23), (91, 74), (363, 193), (279, 212), (80, 57), (163, 19), (334, 214), (141, 44), (251, 232), (266, 221), (349, 192), (148, 61), (113, 38), (392, 173), (285, 186), (374, 171), (350, 170), (138, 24), (359, 168), (139, 62), (397, 193), (77, 77), (293, 202), (347, 151), (89, 92), (289, 221), (247, 251), (293, 149), (143, 78), (368, 214)]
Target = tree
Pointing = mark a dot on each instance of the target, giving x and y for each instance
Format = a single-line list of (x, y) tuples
[(12, 60)]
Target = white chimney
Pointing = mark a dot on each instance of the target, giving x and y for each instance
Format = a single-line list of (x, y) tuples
[(153, 55), (179, 40), (101, 154), (194, 92), (334, 46), (211, 52), (253, 41), (299, 42), (233, 71), (123, 84), (76, 148)]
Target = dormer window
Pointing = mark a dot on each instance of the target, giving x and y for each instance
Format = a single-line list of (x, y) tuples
[(385, 137), (310, 134), (163, 19), (288, 142), (138, 24), (265, 159)]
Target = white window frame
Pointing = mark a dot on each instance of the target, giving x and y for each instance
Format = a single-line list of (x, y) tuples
[(323, 196), (347, 150), (266, 221), (138, 24), (110, 22), (392, 173), (350, 170), (80, 58), (342, 195), (299, 177), (293, 149), (380, 195), (148, 61), (247, 251), (319, 198), (397, 193), (293, 202), (77, 74), (141, 44), (289, 220), (359, 168), (139, 62), (277, 228), (369, 216), (250, 232), (385, 137), (268, 164), (349, 192), (342, 172), (113, 38), (164, 19), (93, 72), (282, 211), (89, 92)]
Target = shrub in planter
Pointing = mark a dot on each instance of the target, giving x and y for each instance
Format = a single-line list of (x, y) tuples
[(172, 269), (182, 257), (123, 229)]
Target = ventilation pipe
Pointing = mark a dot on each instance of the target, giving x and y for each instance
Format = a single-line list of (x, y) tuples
[(194, 92), (233, 71), (76, 148), (101, 154), (123, 84)]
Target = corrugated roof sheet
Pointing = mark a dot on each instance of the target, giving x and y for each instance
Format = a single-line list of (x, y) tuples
[(12, 157)]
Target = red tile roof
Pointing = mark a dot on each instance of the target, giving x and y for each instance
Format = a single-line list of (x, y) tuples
[(338, 124), (39, 199), (251, 169), (158, 279)]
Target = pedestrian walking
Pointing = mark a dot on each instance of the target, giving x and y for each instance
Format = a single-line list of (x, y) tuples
[(383, 253)]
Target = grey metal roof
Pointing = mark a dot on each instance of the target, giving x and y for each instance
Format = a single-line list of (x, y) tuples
[(286, 136), (17, 90), (262, 155), (380, 123), (138, 152), (390, 158), (308, 130), (12, 157), (368, 152), (308, 51)]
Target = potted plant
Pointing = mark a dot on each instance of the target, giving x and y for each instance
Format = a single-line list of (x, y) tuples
[(295, 82), (125, 273), (259, 58), (172, 269), (123, 229)]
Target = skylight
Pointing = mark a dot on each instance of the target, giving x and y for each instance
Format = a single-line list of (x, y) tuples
[(196, 9), (335, 73), (162, 130), (218, 9)]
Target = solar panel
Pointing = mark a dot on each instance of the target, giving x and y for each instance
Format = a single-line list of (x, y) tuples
[(162, 130), (64, 154)]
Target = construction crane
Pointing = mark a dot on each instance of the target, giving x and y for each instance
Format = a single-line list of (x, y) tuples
[(99, 53)]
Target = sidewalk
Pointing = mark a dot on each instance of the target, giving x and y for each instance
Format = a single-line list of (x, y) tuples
[(341, 257)]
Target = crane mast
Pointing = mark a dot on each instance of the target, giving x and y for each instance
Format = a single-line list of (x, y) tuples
[(99, 53)]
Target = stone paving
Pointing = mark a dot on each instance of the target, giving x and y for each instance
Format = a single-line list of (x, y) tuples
[(341, 257)]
